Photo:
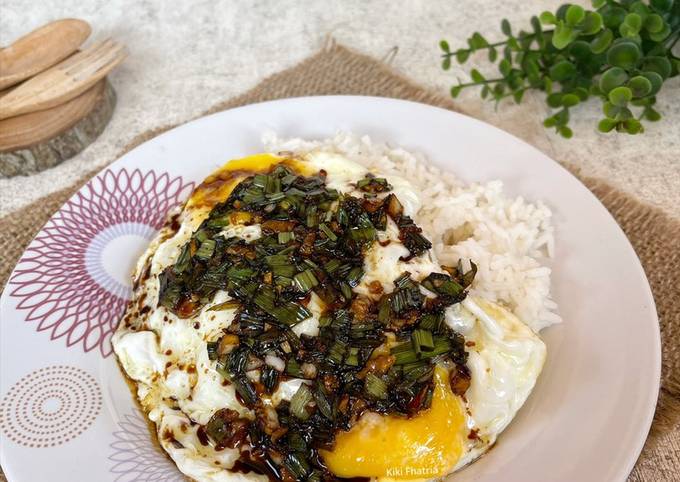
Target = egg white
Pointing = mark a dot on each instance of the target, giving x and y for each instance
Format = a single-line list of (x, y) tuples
[(177, 384)]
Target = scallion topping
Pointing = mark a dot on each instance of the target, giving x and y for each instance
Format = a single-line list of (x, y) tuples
[(299, 401)]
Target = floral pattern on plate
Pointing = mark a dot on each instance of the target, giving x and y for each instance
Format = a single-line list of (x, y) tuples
[(71, 281)]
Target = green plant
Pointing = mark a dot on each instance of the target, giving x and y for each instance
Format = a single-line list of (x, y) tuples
[(621, 52)]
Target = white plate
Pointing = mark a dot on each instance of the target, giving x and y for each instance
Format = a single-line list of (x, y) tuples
[(67, 415)]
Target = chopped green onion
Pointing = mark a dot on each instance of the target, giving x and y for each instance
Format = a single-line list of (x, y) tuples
[(375, 387), (227, 305), (336, 352), (299, 401), (332, 266), (312, 219), (206, 250), (354, 276), (269, 378), (422, 341), (290, 313), (201, 235), (306, 280), (470, 275), (219, 222), (431, 321), (323, 403), (245, 388), (363, 235), (325, 320), (265, 299), (346, 291), (183, 260), (384, 310), (212, 350), (352, 357), (296, 465), (327, 231), (286, 237), (236, 273), (293, 368)]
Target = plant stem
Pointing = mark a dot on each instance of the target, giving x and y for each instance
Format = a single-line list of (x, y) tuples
[(497, 44), (486, 81)]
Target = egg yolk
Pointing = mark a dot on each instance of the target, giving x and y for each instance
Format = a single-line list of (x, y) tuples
[(217, 187), (425, 446)]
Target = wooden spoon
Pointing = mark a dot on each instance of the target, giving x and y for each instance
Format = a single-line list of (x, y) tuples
[(41, 49), (64, 81)]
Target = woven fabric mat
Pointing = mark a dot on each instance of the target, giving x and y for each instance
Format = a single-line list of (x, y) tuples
[(338, 70)]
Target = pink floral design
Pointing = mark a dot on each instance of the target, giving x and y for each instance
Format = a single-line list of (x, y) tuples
[(136, 458), (64, 279)]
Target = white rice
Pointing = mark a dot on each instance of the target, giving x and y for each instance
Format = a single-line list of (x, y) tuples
[(510, 239)]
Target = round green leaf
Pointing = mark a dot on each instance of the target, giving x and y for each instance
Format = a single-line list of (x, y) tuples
[(612, 78), (661, 34), (493, 54), (613, 16), (606, 125), (625, 55), (640, 86), (476, 76), (446, 63), (536, 24), (582, 93), (598, 3), (566, 132), (562, 11), (660, 65), (634, 21), (591, 24), (580, 50), (563, 35), (444, 45), (462, 55), (655, 79), (570, 100), (517, 96), (641, 9), (610, 110), (504, 67), (620, 96), (547, 85), (455, 90), (624, 113), (602, 42), (549, 122), (562, 117), (654, 23), (554, 100), (662, 5), (627, 31), (574, 15), (632, 126), (652, 115), (505, 27), (562, 71), (547, 18)]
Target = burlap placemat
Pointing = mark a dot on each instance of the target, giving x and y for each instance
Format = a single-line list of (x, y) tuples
[(338, 70)]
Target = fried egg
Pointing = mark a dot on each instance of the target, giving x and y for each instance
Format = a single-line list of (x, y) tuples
[(178, 386)]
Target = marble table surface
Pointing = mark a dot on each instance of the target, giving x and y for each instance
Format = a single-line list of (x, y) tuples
[(186, 56)]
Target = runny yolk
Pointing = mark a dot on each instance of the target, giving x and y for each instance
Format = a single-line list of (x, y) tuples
[(217, 186), (423, 447)]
